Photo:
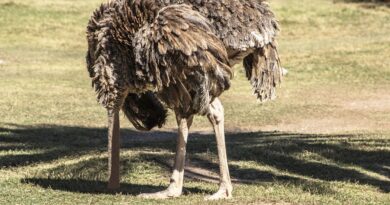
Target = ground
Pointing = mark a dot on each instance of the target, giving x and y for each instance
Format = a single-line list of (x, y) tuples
[(325, 140)]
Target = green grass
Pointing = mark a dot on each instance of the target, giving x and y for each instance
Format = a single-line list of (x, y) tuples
[(332, 144)]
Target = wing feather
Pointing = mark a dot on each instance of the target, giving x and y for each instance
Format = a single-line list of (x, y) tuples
[(179, 41), (264, 72), (240, 24)]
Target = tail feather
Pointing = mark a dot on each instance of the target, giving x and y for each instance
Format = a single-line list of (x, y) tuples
[(144, 111), (264, 71)]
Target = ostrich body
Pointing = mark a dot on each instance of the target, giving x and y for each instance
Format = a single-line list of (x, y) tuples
[(145, 56)]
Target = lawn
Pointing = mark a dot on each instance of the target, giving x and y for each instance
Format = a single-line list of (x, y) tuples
[(325, 140)]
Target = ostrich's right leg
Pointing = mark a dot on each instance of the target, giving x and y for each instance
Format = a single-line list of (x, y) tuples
[(113, 149), (216, 117), (176, 186)]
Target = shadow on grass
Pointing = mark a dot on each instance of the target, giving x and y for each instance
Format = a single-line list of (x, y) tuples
[(100, 187), (324, 157), (90, 186), (368, 3)]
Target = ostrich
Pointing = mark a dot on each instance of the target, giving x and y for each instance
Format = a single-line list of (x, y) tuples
[(147, 56)]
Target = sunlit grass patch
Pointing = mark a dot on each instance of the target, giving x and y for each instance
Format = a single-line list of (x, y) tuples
[(332, 144)]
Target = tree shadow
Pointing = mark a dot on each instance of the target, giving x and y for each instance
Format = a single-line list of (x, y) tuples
[(280, 151), (368, 3), (89, 176), (323, 157), (100, 187), (90, 186), (46, 143)]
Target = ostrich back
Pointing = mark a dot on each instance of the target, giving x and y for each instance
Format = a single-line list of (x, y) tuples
[(242, 25)]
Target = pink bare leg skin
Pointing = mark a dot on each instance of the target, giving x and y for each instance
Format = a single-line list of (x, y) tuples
[(113, 149), (216, 117), (176, 183)]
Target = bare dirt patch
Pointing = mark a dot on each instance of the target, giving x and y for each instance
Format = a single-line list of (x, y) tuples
[(377, 103), (329, 125)]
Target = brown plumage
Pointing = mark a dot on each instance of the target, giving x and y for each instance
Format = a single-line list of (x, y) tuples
[(145, 56), (120, 34)]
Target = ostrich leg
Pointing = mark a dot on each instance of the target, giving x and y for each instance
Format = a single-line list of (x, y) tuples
[(176, 183), (113, 149), (216, 117)]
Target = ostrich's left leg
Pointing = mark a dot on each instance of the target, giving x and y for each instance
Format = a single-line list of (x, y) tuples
[(216, 117), (113, 149), (176, 185)]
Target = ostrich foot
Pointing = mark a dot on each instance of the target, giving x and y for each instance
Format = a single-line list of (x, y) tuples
[(222, 193), (166, 194)]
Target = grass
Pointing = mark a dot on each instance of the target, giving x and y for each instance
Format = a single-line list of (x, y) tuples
[(332, 144)]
